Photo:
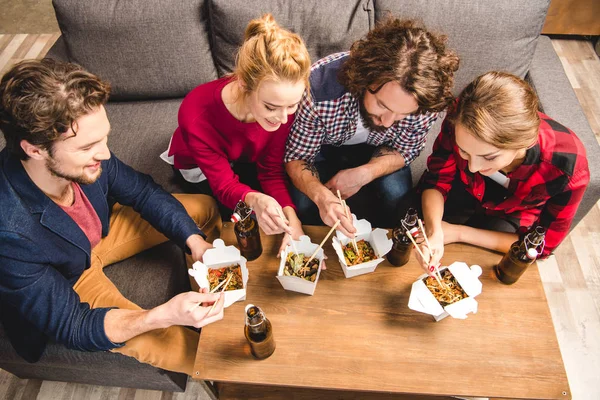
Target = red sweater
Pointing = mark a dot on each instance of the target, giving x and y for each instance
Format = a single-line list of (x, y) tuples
[(210, 137)]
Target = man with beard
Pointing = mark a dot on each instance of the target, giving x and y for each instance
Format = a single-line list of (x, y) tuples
[(58, 232), (365, 119)]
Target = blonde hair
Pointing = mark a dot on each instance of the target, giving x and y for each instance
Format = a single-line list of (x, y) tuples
[(500, 109), (271, 52)]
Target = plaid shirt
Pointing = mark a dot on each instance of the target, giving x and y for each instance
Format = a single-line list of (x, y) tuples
[(330, 115), (545, 189)]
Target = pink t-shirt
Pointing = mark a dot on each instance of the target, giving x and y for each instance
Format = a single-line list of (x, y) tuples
[(84, 215), (210, 137)]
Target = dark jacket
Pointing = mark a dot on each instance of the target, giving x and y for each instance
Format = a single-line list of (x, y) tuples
[(43, 252)]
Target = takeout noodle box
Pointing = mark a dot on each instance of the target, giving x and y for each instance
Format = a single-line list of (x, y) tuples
[(377, 238), (295, 283), (218, 257), (421, 299)]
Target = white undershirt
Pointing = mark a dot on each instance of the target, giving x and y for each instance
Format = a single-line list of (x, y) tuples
[(360, 136), (192, 175), (500, 178)]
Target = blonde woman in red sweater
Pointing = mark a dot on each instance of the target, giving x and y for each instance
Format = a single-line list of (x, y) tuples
[(234, 124)]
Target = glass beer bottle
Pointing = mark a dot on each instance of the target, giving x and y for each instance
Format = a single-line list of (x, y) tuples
[(259, 332), (246, 231), (521, 255), (402, 246)]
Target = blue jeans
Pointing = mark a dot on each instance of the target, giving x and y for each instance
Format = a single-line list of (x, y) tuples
[(380, 201)]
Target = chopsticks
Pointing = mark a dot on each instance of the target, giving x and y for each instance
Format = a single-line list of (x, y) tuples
[(225, 281), (423, 255), (323, 242), (343, 204), (292, 239), (437, 274), (222, 290)]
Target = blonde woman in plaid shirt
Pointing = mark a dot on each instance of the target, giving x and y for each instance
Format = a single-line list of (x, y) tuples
[(366, 118)]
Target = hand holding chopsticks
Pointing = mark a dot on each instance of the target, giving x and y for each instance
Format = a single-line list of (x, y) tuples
[(222, 290), (291, 238), (343, 204), (223, 282), (425, 259), (437, 274)]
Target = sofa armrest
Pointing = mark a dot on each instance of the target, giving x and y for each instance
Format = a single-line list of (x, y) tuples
[(558, 100)]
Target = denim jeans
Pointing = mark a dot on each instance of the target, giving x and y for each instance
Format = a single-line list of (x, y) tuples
[(379, 201)]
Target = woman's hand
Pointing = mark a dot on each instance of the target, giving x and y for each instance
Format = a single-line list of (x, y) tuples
[(434, 252), (438, 238), (268, 213), (294, 224)]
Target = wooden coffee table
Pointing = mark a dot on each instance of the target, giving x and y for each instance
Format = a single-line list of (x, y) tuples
[(358, 336)]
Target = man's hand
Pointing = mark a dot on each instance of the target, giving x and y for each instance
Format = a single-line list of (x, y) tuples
[(349, 181), (186, 309), (267, 211), (331, 211), (197, 246), (190, 309)]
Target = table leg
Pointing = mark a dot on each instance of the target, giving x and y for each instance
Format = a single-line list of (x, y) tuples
[(211, 389)]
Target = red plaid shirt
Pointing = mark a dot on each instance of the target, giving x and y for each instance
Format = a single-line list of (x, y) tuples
[(330, 115), (545, 189)]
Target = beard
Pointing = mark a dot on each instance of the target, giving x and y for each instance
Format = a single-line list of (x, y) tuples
[(53, 166), (367, 120)]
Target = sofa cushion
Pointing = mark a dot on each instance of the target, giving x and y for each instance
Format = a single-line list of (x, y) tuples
[(140, 132), (326, 27), (491, 35), (145, 48)]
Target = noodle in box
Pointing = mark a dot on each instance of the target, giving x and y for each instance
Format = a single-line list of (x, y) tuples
[(222, 265), (372, 244), (455, 298), (294, 274)]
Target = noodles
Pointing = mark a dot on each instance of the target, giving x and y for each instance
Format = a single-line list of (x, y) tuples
[(365, 253), (294, 266), (452, 294), (216, 276)]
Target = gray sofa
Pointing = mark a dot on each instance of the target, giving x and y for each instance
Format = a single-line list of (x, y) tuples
[(155, 51)]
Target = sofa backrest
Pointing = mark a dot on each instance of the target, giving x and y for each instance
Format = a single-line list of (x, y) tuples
[(162, 49), (145, 48), (486, 34), (326, 26), (151, 49)]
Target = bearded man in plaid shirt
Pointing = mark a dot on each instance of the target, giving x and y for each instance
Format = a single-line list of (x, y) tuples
[(365, 119)]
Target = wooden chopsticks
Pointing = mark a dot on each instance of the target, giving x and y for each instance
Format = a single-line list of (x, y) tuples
[(291, 238), (226, 282), (343, 204), (323, 242)]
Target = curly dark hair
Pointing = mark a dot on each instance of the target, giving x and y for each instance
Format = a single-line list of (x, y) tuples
[(42, 99), (402, 51)]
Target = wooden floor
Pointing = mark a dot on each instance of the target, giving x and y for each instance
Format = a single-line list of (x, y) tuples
[(571, 277)]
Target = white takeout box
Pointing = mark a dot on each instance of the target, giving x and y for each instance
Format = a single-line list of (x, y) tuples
[(421, 299), (218, 257), (377, 238), (295, 283)]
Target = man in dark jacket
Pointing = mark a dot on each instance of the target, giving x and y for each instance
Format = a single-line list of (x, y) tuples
[(58, 231)]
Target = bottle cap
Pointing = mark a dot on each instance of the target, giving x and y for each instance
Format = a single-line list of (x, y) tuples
[(414, 231), (235, 217), (249, 306), (532, 253)]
